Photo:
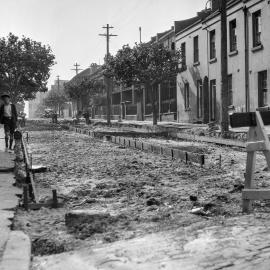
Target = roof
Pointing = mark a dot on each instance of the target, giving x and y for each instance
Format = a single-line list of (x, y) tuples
[(203, 15), (89, 73), (181, 25)]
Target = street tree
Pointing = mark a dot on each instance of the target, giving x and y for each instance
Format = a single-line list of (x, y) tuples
[(56, 100), (146, 63), (24, 67), (83, 91)]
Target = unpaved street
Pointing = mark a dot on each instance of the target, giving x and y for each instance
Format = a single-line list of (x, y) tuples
[(145, 193)]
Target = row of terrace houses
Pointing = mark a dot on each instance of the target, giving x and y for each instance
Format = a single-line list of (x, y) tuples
[(194, 95), (199, 84)]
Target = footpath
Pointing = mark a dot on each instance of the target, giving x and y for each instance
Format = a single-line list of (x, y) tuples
[(15, 246)]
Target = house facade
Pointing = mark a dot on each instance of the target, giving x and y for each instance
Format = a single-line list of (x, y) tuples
[(199, 82)]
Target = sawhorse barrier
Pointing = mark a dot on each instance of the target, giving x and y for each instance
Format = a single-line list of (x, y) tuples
[(257, 141)]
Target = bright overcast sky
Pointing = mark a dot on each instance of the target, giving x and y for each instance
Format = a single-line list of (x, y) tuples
[(71, 27)]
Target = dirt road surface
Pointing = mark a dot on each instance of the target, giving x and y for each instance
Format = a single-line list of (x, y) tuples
[(149, 197)]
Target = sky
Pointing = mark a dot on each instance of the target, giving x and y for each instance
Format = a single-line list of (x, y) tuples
[(72, 27)]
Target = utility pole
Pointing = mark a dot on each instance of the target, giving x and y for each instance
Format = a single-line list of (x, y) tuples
[(140, 30), (77, 69), (107, 79), (58, 88), (224, 70)]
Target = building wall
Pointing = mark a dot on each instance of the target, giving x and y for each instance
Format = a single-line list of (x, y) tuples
[(258, 60)]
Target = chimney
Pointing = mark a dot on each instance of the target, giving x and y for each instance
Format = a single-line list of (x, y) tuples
[(215, 5)]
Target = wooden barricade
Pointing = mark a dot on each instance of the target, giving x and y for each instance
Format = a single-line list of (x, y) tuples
[(257, 141)]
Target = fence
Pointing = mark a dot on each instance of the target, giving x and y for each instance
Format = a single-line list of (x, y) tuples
[(131, 109)]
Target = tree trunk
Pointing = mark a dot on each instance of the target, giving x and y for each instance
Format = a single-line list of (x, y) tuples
[(154, 104)]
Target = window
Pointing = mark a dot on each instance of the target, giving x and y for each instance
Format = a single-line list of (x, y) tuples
[(212, 44), (186, 97), (183, 52), (196, 49), (257, 28), (213, 100), (230, 91), (173, 46), (233, 37), (199, 98), (262, 87)]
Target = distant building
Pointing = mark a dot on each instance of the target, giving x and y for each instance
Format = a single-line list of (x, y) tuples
[(58, 84), (33, 105), (66, 109)]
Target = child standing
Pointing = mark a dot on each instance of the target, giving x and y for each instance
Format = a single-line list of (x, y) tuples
[(8, 117)]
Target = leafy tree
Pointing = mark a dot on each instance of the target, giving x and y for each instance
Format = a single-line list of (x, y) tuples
[(24, 67), (83, 90), (145, 63), (56, 99)]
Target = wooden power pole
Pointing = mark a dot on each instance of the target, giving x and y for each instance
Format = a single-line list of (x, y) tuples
[(107, 79), (224, 70), (77, 69)]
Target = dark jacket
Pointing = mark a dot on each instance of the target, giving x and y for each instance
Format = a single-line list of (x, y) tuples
[(14, 116)]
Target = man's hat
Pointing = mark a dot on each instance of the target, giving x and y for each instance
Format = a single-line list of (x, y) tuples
[(5, 95)]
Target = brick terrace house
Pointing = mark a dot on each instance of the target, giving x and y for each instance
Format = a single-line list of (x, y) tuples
[(199, 83)]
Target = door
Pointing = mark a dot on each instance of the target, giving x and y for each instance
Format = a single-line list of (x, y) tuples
[(213, 100), (262, 89)]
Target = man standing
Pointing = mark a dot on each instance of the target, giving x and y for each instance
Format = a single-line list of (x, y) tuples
[(8, 117)]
